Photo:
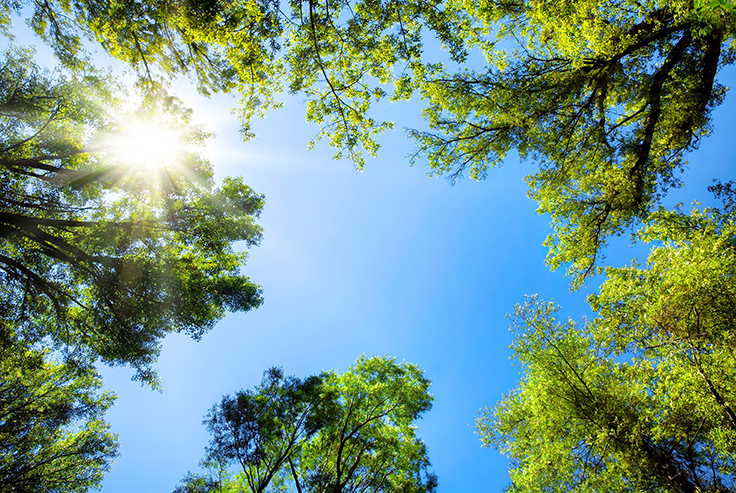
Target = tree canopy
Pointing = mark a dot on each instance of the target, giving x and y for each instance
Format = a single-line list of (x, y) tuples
[(642, 397), (606, 95), (340, 54), (328, 432), (100, 253), (101, 259)]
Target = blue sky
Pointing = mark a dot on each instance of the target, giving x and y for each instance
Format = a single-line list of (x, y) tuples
[(382, 262)]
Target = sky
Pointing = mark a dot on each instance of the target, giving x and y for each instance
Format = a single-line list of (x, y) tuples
[(382, 262)]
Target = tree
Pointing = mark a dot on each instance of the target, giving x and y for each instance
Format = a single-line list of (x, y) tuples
[(607, 95), (369, 443), (102, 254), (327, 433), (52, 434), (642, 397), (262, 431)]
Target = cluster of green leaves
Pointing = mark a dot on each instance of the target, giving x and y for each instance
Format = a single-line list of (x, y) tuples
[(606, 95), (52, 434), (103, 256), (328, 432), (642, 398)]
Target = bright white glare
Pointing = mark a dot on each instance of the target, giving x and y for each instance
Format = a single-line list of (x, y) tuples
[(149, 146)]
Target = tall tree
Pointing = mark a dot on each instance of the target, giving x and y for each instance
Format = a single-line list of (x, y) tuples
[(102, 253), (263, 431), (641, 398), (328, 433), (369, 444), (52, 434)]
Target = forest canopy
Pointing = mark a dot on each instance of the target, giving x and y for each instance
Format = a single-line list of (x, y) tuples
[(100, 259), (606, 96), (53, 437), (109, 241)]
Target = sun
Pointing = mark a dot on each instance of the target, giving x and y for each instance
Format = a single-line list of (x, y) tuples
[(148, 145)]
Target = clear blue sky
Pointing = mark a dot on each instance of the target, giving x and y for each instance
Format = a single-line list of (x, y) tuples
[(382, 262)]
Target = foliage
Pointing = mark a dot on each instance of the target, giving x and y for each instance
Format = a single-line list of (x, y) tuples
[(197, 483), (607, 95), (262, 430), (52, 434), (641, 398), (330, 432), (340, 53), (101, 254)]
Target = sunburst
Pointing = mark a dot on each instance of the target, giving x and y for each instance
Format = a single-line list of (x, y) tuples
[(149, 146)]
